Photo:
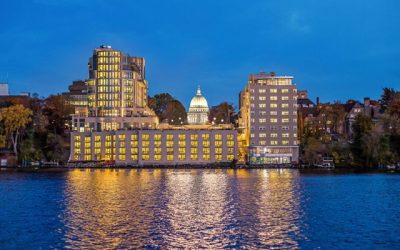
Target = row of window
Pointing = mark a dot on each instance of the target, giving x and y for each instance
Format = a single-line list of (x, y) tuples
[(273, 128), (274, 143), (273, 105), (283, 91), (274, 112), (273, 98), (274, 120)]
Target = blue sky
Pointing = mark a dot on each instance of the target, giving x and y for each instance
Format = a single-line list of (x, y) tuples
[(335, 49)]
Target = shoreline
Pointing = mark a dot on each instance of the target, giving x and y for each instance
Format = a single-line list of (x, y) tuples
[(315, 170)]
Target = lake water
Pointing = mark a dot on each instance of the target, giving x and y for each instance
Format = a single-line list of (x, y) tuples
[(282, 209)]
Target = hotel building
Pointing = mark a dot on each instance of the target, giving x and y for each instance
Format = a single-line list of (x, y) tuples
[(268, 119), (116, 94), (120, 128)]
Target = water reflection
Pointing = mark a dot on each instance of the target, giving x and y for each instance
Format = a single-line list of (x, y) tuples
[(182, 208)]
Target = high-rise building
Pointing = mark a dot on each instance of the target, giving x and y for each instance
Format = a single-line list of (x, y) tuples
[(198, 109), (268, 119), (117, 93)]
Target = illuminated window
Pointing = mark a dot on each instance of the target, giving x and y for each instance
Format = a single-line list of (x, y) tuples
[(274, 142), (134, 157), (205, 136), (194, 137), (170, 157), (145, 137), (182, 143), (230, 143), (157, 157), (145, 150), (194, 143), (206, 156), (285, 98), (134, 137), (157, 137), (285, 142), (145, 143), (218, 150), (273, 91), (193, 156), (182, 137), (218, 143), (273, 98), (273, 120), (273, 105), (170, 137), (285, 90), (206, 150), (285, 112), (230, 157), (285, 105), (145, 157), (262, 120), (170, 143), (218, 137), (285, 135), (285, 120), (262, 105), (229, 136), (181, 157), (206, 143), (274, 135), (134, 150), (218, 157)]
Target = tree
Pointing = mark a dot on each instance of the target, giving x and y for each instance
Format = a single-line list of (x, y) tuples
[(167, 107), (222, 113), (58, 112), (362, 126), (159, 103), (175, 113), (15, 118), (386, 97)]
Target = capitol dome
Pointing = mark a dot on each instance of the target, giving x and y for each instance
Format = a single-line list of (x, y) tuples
[(198, 109)]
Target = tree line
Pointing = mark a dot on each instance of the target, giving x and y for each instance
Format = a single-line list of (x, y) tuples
[(373, 142)]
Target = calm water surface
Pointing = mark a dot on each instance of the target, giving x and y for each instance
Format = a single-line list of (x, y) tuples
[(282, 209)]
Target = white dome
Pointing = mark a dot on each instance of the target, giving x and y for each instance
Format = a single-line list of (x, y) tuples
[(198, 110), (198, 101)]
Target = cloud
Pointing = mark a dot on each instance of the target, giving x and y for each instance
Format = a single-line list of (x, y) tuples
[(296, 23)]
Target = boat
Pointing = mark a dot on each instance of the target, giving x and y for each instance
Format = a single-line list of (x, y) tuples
[(326, 162)]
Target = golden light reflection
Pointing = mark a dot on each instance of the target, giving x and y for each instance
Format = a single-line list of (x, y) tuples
[(193, 209)]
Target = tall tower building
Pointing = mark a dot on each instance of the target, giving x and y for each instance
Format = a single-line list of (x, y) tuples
[(117, 93), (268, 118)]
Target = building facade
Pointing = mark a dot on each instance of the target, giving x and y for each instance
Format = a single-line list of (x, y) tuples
[(116, 93), (177, 146), (268, 118)]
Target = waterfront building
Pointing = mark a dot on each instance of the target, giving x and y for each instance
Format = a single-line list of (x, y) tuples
[(121, 129), (116, 93), (268, 119), (168, 146), (198, 109)]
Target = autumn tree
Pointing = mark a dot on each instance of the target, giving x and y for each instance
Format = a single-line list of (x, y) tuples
[(167, 107), (14, 119)]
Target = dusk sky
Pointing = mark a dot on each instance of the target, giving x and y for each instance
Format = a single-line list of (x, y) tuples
[(334, 49)]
